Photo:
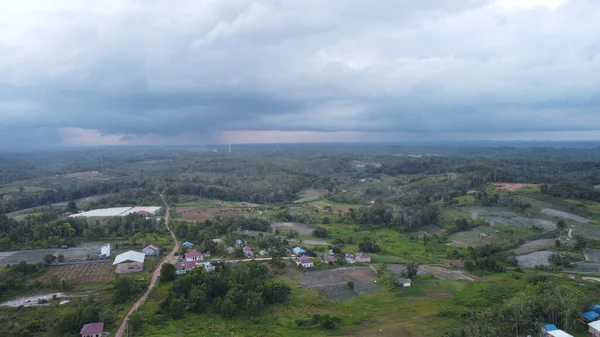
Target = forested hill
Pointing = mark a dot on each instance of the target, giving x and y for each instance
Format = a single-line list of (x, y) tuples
[(270, 174)]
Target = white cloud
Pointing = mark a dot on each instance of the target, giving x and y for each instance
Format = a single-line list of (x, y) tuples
[(147, 67)]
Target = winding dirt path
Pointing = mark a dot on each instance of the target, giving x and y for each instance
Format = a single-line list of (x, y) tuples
[(170, 259)]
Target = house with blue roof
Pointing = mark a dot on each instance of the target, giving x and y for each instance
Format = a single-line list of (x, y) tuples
[(590, 316), (209, 266), (188, 244), (298, 250), (547, 328), (238, 242)]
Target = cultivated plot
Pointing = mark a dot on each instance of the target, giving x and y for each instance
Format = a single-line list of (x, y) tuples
[(592, 255), (531, 260), (564, 215), (440, 273), (37, 255), (85, 273), (534, 246)]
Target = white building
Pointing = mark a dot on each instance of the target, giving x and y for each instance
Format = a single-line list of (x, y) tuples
[(151, 250), (129, 262)]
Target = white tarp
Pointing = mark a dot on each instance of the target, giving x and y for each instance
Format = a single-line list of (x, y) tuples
[(130, 256), (116, 211), (105, 249)]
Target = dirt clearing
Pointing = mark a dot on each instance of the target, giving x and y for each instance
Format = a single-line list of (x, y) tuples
[(341, 293), (338, 276), (87, 175), (534, 246), (85, 273), (37, 255), (512, 187)]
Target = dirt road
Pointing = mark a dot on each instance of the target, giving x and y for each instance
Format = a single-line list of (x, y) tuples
[(170, 258)]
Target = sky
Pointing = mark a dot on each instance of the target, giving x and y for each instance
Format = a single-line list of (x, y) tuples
[(150, 72)]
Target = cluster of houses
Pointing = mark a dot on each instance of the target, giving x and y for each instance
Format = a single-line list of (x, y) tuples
[(349, 258), (130, 261), (592, 316), (191, 260)]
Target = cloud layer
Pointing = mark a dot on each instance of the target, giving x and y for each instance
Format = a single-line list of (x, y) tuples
[(152, 72)]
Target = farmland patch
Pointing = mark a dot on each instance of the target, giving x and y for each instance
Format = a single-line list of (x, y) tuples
[(505, 217), (201, 214), (87, 175), (531, 260), (36, 255), (534, 246), (298, 227), (339, 293), (440, 273), (85, 273), (477, 236), (564, 215), (592, 255)]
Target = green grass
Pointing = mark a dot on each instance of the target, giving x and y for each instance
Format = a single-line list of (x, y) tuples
[(408, 308), (392, 244), (201, 203)]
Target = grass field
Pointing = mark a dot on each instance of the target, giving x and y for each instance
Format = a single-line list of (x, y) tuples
[(409, 310), (395, 246)]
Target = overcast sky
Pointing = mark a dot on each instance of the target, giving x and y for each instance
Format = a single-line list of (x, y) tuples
[(208, 71)]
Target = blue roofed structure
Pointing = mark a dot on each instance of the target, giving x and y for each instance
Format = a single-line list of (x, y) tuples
[(188, 244), (298, 250), (590, 315), (596, 308), (550, 327)]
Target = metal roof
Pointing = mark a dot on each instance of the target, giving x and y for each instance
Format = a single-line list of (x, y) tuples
[(550, 327), (559, 333), (92, 328), (595, 325), (590, 315), (130, 256)]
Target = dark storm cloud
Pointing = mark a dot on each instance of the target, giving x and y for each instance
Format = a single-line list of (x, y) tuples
[(137, 68)]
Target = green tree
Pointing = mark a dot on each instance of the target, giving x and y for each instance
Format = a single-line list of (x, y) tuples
[(135, 324), (350, 285), (177, 308), (61, 258), (49, 259), (72, 206), (167, 272)]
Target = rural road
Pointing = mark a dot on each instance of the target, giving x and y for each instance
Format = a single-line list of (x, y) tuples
[(155, 274)]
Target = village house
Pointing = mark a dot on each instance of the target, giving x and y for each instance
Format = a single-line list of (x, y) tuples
[(218, 241), (129, 262), (248, 252), (194, 255), (350, 260), (304, 262), (263, 253), (298, 250), (594, 328), (238, 242), (362, 258), (151, 250), (185, 268), (230, 250), (188, 244), (546, 328), (558, 333), (209, 267), (92, 330), (207, 253)]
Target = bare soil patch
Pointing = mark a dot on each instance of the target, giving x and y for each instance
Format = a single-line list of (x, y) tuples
[(534, 246), (592, 254), (338, 276), (85, 273), (512, 187), (341, 293)]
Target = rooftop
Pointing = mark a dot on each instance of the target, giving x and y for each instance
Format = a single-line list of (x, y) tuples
[(590, 315), (559, 333), (92, 328), (595, 325), (193, 253), (131, 256), (550, 327)]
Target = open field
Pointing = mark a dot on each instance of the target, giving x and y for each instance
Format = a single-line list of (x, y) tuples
[(534, 246), (440, 273), (477, 236), (330, 277), (85, 273), (74, 254), (339, 293), (531, 260), (564, 215), (505, 217), (87, 175), (311, 194)]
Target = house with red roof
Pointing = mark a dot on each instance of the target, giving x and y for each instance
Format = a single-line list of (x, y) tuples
[(362, 258), (143, 212), (92, 330), (194, 255), (304, 262)]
